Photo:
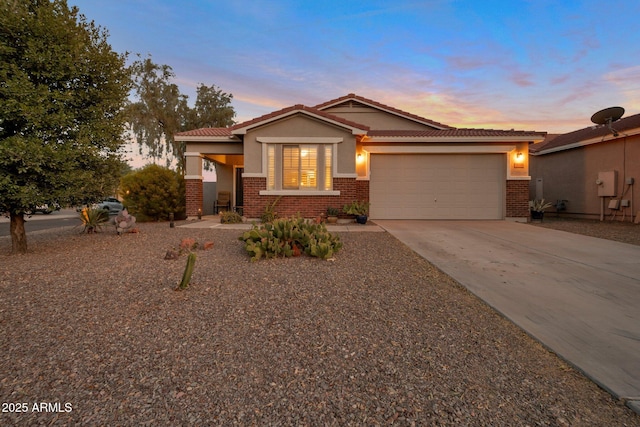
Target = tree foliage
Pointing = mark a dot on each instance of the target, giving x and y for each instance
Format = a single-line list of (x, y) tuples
[(62, 92), (154, 192), (160, 111)]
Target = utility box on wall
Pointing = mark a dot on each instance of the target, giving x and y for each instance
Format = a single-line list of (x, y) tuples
[(607, 183)]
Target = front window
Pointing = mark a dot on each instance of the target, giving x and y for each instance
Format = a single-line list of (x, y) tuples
[(299, 167)]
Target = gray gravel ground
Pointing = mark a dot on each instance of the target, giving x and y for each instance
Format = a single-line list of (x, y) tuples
[(377, 337), (626, 232)]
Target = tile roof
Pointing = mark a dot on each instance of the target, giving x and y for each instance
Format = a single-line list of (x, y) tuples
[(557, 142), (394, 110), (454, 133), (446, 131), (224, 132), (293, 109)]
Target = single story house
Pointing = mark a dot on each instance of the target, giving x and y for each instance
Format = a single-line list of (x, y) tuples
[(590, 173), (354, 148)]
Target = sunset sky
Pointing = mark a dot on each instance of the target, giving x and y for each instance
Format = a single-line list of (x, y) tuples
[(542, 65)]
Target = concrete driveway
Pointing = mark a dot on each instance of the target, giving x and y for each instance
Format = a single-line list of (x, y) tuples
[(578, 295)]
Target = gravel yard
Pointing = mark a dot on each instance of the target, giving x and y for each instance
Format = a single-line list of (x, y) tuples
[(377, 337), (625, 232)]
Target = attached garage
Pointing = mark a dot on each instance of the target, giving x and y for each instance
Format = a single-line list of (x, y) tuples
[(437, 186)]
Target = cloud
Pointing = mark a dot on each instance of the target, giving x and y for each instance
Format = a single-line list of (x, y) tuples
[(465, 63), (558, 80), (627, 81), (521, 78)]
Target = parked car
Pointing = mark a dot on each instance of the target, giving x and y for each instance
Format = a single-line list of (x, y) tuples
[(110, 204), (45, 209)]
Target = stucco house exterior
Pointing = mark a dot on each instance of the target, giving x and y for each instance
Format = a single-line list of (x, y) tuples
[(354, 148), (591, 169)]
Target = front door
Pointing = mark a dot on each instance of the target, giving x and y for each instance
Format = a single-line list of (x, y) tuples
[(239, 190)]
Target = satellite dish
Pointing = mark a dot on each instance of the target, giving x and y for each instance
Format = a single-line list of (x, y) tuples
[(608, 116)]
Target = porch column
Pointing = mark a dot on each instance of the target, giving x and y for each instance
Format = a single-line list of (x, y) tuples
[(193, 179)]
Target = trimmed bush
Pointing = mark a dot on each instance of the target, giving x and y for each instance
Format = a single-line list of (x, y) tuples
[(153, 192)]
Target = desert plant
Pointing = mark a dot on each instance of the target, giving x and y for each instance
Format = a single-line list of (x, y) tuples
[(539, 205), (270, 213), (188, 244), (93, 219), (356, 208), (228, 217), (188, 271), (287, 237), (331, 211), (154, 192), (125, 222)]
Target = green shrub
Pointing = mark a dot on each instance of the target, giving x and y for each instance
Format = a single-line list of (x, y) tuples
[(289, 237), (153, 192), (356, 208), (93, 219), (227, 217), (270, 213)]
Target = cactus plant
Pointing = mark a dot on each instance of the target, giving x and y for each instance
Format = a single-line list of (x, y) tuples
[(188, 271), (289, 237)]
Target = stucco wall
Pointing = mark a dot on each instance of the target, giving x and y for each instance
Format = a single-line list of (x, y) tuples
[(375, 119), (299, 126), (571, 175)]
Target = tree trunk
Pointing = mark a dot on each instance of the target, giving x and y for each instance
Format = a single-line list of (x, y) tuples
[(18, 234)]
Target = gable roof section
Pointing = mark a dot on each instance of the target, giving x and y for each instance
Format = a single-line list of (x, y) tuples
[(590, 135), (242, 128), (441, 133), (383, 107)]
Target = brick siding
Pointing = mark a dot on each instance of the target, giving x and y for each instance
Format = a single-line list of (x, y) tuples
[(194, 189), (307, 206), (517, 199)]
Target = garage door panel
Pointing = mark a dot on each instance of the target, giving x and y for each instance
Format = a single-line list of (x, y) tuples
[(437, 186)]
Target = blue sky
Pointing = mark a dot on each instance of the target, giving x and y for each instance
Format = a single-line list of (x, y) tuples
[(543, 65)]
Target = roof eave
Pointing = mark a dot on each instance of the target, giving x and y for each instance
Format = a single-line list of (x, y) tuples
[(462, 139), (203, 138), (586, 142)]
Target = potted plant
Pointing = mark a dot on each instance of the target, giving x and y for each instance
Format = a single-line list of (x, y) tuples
[(537, 208), (332, 215), (358, 208)]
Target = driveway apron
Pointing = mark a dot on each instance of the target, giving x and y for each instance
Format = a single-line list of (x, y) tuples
[(578, 295)]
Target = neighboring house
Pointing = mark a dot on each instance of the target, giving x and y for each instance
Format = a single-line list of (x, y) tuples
[(353, 148), (589, 168)]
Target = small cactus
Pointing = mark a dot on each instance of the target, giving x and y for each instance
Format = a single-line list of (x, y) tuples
[(188, 271)]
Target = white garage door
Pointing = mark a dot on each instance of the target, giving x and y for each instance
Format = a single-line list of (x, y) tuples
[(437, 186)]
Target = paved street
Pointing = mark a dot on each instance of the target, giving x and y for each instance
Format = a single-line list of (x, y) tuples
[(38, 222)]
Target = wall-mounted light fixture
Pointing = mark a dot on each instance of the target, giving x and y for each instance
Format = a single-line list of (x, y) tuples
[(518, 160), (359, 158)]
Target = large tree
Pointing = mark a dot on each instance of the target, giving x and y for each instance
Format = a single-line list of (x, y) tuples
[(160, 110), (62, 93)]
